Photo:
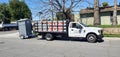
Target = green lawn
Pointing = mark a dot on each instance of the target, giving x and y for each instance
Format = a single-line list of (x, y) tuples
[(108, 26), (111, 35), (105, 26)]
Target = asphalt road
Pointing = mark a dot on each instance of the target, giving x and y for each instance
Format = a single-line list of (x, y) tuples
[(8, 32), (12, 46)]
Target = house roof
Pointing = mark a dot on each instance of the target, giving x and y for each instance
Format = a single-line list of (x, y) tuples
[(102, 9)]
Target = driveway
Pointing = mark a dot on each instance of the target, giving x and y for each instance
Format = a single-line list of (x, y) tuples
[(12, 46)]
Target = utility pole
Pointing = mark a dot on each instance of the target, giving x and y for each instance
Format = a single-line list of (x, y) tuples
[(63, 9), (115, 13), (51, 3), (39, 13)]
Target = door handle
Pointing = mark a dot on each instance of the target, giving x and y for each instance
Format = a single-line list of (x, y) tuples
[(71, 29)]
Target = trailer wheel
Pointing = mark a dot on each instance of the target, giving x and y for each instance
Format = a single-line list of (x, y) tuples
[(22, 37), (91, 38), (48, 37)]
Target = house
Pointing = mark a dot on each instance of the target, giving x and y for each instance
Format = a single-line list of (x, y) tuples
[(106, 15), (76, 17)]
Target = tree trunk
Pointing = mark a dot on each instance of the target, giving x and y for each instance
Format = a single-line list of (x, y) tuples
[(96, 13), (115, 13)]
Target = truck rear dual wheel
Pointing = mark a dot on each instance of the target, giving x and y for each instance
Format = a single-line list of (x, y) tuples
[(49, 37), (41, 37), (91, 38)]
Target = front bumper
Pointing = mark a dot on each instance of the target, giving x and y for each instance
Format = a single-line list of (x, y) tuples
[(100, 37)]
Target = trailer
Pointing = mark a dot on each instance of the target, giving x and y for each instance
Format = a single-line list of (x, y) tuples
[(49, 30)]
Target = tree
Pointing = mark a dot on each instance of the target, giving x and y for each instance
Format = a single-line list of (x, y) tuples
[(19, 10), (105, 4), (5, 13), (60, 16), (115, 13), (64, 7), (96, 13)]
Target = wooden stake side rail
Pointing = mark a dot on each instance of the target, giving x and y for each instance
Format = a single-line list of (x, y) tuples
[(51, 26)]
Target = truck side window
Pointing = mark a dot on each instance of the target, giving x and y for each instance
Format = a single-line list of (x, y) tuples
[(78, 26), (75, 25)]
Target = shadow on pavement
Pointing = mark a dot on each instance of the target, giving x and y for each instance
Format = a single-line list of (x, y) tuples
[(72, 39)]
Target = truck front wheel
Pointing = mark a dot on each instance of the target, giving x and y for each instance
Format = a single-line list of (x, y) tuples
[(91, 38), (48, 37)]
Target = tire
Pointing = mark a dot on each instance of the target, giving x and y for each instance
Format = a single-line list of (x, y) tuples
[(92, 38), (22, 37), (40, 37), (49, 37)]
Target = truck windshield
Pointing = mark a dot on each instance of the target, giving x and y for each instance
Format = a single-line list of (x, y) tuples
[(84, 24)]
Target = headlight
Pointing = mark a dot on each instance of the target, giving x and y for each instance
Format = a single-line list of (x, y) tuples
[(100, 31)]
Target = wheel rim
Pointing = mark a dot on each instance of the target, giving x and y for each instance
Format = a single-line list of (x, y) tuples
[(21, 37), (91, 38), (48, 37)]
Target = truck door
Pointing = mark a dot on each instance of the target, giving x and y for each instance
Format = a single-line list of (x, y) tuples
[(75, 30)]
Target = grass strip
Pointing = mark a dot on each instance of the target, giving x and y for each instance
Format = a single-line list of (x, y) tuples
[(111, 35), (106, 26)]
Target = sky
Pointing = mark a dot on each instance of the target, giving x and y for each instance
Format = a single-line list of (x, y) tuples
[(35, 6)]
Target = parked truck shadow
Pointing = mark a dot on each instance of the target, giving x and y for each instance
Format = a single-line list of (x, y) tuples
[(73, 39)]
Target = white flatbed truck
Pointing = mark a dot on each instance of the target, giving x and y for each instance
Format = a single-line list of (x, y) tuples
[(52, 29)]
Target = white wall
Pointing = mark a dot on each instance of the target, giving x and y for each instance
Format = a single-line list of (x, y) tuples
[(77, 17), (88, 21), (105, 20), (118, 19)]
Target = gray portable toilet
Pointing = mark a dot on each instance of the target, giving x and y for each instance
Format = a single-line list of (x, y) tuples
[(25, 28)]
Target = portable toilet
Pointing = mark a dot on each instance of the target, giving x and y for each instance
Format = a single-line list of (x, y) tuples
[(25, 28)]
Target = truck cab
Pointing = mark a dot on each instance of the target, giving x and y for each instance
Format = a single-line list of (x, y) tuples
[(80, 30)]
